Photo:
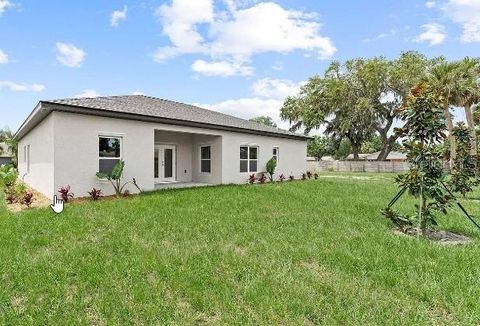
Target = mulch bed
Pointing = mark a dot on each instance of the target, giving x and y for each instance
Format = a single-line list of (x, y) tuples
[(438, 236), (39, 201)]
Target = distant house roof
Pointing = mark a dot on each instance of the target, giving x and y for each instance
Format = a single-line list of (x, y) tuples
[(361, 157), (5, 150), (328, 158), (397, 156), (146, 108)]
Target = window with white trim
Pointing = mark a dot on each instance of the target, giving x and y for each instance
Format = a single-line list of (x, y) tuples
[(109, 153), (248, 158), (276, 153), (205, 159)]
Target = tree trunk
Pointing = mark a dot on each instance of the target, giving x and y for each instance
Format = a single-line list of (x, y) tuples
[(356, 151), (387, 147), (451, 138), (471, 128), (386, 141)]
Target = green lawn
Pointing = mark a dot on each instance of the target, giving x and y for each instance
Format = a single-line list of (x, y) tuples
[(303, 252)]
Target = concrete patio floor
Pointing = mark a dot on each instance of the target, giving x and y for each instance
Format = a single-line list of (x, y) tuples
[(178, 185)]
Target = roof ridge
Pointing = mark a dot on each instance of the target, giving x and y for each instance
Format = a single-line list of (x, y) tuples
[(88, 97)]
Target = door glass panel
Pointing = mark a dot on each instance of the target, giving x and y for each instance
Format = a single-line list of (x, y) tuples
[(168, 164), (155, 163)]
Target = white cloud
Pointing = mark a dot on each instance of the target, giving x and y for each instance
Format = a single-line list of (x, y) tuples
[(430, 4), (380, 36), (180, 21), (221, 68), (434, 34), (466, 13), (4, 4), (88, 93), (15, 87), (248, 108), (69, 55), (3, 58), (268, 98), (236, 35), (117, 16), (137, 93), (275, 88)]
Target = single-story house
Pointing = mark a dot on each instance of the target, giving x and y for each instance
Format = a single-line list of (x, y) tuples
[(5, 154), (393, 156), (65, 142), (361, 157)]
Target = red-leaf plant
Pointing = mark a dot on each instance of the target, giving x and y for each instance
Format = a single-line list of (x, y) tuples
[(263, 178), (27, 198), (309, 174), (252, 178), (291, 177), (95, 193), (65, 193), (304, 176), (315, 175), (282, 177)]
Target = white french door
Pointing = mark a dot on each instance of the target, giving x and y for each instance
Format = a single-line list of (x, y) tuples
[(165, 163)]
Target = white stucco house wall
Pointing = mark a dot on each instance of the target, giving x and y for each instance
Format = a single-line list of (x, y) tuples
[(65, 142)]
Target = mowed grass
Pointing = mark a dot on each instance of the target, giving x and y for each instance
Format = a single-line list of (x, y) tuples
[(303, 252)]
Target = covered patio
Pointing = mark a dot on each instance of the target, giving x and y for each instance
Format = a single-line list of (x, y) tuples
[(185, 159)]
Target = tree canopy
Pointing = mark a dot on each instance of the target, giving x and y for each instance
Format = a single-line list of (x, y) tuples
[(264, 120), (357, 99)]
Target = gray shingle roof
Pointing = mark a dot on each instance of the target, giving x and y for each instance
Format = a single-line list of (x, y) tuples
[(166, 109)]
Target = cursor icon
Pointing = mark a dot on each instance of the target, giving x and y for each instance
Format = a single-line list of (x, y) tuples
[(57, 205)]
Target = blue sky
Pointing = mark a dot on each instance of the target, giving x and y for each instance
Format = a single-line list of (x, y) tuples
[(239, 57)]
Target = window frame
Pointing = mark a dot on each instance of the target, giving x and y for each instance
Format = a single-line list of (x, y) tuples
[(248, 159), (202, 159), (120, 138), (277, 155)]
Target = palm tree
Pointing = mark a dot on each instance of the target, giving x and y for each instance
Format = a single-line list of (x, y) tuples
[(443, 78), (469, 94), (8, 138)]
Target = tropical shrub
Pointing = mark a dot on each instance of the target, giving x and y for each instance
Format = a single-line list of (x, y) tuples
[(271, 166), (281, 177), (95, 193), (262, 179), (8, 175), (14, 192), (304, 176), (315, 175), (115, 178), (65, 193), (291, 177), (10, 196), (423, 130), (464, 167), (27, 198), (252, 178)]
